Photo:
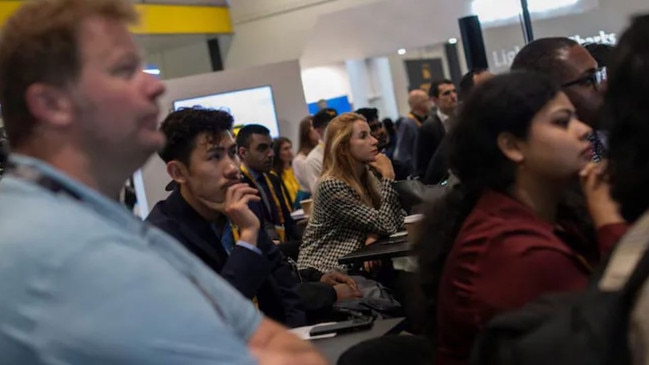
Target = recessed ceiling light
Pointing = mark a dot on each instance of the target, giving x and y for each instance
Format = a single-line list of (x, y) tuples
[(452, 40), (401, 51)]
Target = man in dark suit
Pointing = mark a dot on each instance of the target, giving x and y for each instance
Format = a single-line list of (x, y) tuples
[(255, 148), (208, 213), (437, 170), (433, 130)]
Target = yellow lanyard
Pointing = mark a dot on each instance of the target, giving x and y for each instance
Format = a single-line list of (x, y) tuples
[(279, 228), (287, 201), (413, 117)]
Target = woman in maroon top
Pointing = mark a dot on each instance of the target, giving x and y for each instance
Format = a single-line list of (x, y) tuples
[(506, 234)]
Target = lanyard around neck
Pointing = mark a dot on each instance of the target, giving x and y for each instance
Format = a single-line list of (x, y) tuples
[(278, 205)]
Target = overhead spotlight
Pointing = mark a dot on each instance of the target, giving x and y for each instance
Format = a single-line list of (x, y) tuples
[(452, 40), (401, 51)]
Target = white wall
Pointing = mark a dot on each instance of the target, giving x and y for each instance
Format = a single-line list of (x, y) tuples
[(284, 78), (326, 82), (271, 31)]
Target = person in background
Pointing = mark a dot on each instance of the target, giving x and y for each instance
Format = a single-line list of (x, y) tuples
[(313, 162), (200, 156), (351, 206), (308, 140), (504, 235), (404, 156), (391, 131), (602, 53), (437, 170), (429, 137), (471, 79), (4, 151), (255, 148), (626, 109), (322, 104), (376, 127), (282, 167), (581, 78), (83, 281)]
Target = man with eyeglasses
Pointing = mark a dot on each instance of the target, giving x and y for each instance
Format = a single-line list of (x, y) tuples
[(581, 78)]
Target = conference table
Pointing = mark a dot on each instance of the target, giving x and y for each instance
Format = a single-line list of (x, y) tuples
[(333, 347)]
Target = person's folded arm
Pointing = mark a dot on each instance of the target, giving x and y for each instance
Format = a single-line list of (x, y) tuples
[(246, 269)]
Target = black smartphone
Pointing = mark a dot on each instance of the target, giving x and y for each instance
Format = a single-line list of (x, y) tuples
[(356, 324)]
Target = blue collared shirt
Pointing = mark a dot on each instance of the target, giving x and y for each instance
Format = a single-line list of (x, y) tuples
[(85, 282)]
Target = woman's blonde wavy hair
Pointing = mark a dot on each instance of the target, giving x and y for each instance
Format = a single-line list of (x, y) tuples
[(339, 163)]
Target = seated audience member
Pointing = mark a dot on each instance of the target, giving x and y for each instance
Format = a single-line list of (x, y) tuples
[(4, 150), (376, 127), (313, 162), (470, 80), (405, 154), (208, 213), (570, 65), (308, 140), (255, 148), (601, 52), (627, 110), (351, 205), (429, 137), (391, 131), (504, 236), (83, 281), (437, 169), (282, 167)]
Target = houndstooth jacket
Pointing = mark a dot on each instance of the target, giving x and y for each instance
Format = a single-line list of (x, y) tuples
[(340, 223)]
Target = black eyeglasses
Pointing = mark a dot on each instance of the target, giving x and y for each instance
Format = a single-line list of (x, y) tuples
[(596, 78)]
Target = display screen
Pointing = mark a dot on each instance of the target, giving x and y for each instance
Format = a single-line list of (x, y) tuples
[(248, 106)]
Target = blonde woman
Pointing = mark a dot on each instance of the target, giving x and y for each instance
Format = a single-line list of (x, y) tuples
[(352, 205)]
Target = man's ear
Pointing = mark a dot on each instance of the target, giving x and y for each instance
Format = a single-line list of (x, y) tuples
[(511, 147), (242, 151), (178, 171), (50, 104)]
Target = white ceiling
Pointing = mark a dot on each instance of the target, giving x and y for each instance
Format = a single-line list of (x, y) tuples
[(382, 27)]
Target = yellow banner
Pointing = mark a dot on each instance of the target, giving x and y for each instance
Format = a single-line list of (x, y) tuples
[(164, 19)]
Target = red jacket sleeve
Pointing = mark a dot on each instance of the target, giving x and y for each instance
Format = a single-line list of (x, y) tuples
[(610, 234)]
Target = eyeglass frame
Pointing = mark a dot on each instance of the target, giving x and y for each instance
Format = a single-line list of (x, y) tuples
[(596, 78)]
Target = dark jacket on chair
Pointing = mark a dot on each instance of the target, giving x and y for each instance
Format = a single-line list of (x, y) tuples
[(267, 277)]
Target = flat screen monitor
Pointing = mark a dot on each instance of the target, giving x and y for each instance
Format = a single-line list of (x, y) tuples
[(247, 106)]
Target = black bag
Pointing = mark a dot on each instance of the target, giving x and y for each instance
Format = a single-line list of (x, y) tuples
[(588, 327), (377, 300), (413, 193)]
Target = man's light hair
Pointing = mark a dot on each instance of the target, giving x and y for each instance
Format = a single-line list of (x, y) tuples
[(40, 44)]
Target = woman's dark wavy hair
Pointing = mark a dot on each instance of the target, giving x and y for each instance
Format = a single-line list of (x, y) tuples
[(626, 108), (506, 103), (278, 164)]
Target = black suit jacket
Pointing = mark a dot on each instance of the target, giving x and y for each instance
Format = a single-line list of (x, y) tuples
[(293, 232), (438, 166), (428, 139), (267, 276)]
